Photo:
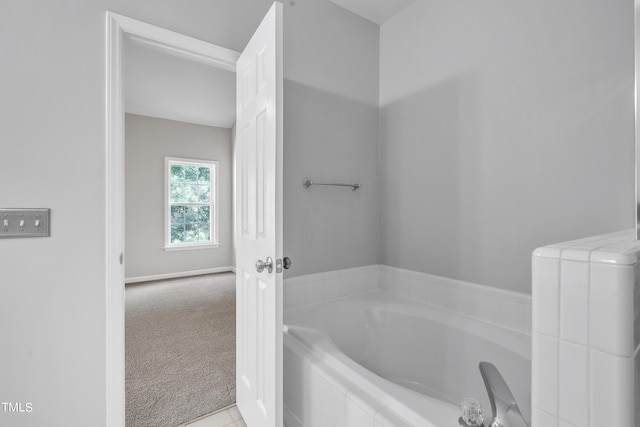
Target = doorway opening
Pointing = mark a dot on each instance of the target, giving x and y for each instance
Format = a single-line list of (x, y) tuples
[(198, 234), (259, 147)]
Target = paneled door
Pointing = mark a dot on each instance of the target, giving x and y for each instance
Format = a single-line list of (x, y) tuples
[(259, 225)]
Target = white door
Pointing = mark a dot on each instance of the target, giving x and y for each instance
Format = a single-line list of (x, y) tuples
[(259, 225)]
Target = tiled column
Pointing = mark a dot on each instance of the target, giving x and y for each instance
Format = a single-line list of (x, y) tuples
[(586, 311)]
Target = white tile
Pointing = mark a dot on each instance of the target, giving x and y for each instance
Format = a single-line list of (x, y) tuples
[(573, 384), (298, 361), (361, 408), (441, 296), (576, 254), (612, 309), (373, 278), (513, 315), (402, 286), (331, 404), (477, 305), (611, 389), (240, 423), (335, 288), (314, 396), (528, 313), (221, 419), (574, 301), (544, 370), (386, 279), (546, 296), (295, 296), (387, 418), (551, 251), (315, 292), (361, 282), (235, 413), (418, 290), (337, 381), (563, 423), (543, 419), (294, 281)]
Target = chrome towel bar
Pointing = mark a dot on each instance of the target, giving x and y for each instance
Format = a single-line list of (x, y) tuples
[(306, 183)]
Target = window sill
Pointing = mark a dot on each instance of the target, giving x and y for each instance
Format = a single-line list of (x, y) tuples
[(191, 247)]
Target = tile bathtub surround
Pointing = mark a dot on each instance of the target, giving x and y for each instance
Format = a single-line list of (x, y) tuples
[(508, 309), (319, 287), (318, 396), (586, 332)]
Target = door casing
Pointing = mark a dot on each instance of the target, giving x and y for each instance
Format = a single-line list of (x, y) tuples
[(120, 28)]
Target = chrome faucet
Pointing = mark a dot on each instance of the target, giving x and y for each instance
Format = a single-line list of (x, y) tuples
[(506, 412)]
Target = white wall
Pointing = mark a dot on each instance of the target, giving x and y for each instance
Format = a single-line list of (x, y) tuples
[(504, 126), (331, 134), (52, 128), (148, 141), (548, 128)]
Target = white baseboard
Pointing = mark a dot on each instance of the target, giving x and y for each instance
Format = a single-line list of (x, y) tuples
[(180, 274)]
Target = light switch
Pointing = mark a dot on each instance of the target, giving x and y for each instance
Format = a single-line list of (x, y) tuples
[(27, 222)]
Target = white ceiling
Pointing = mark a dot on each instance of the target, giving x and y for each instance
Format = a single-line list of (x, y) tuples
[(161, 85), (377, 11)]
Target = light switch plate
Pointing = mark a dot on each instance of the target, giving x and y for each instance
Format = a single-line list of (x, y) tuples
[(11, 220)]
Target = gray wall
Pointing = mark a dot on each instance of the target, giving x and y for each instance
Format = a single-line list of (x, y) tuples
[(148, 141), (504, 126), (330, 134), (52, 128)]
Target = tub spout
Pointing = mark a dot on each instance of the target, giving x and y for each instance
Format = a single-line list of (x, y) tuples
[(506, 412)]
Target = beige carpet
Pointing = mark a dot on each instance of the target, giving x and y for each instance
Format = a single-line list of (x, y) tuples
[(180, 349)]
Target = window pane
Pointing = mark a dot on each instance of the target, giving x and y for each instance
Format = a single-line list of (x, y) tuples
[(205, 212), (204, 193), (190, 202), (191, 193), (177, 192), (190, 173), (190, 214), (191, 233), (177, 233), (177, 173), (177, 214), (205, 233), (204, 175)]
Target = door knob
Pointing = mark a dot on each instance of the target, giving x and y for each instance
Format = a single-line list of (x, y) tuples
[(284, 262), (267, 263)]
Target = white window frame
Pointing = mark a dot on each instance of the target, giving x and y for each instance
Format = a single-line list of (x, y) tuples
[(213, 177)]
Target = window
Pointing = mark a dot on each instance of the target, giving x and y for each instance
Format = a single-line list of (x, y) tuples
[(191, 215)]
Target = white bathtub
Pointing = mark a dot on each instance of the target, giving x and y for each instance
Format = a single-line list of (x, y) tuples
[(399, 362)]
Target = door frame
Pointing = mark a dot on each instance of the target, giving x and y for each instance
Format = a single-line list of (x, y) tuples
[(118, 29)]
